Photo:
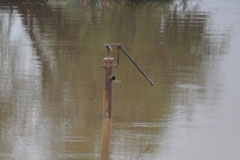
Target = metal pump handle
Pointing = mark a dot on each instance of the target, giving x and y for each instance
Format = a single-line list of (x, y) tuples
[(119, 47)]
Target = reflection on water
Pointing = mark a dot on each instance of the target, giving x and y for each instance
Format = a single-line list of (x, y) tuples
[(51, 83)]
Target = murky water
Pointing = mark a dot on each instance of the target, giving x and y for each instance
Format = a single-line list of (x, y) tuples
[(51, 82)]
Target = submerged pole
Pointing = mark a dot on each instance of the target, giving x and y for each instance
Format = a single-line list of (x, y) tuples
[(107, 107)]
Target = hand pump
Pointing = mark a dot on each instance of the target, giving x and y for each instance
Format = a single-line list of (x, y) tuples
[(107, 98)]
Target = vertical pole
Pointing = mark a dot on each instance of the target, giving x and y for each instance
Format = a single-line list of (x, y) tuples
[(107, 107), (107, 99)]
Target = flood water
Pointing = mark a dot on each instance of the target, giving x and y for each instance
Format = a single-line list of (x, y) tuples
[(51, 82)]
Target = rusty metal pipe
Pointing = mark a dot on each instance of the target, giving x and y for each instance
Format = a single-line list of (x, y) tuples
[(107, 107)]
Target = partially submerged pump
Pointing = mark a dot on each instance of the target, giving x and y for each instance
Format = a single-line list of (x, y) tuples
[(107, 95)]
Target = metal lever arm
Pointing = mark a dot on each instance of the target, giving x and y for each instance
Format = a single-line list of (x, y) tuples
[(119, 47), (139, 69)]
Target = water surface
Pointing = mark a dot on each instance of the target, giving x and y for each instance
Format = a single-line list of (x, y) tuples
[(51, 82)]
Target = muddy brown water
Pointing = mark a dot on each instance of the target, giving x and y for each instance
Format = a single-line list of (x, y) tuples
[(51, 82)]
